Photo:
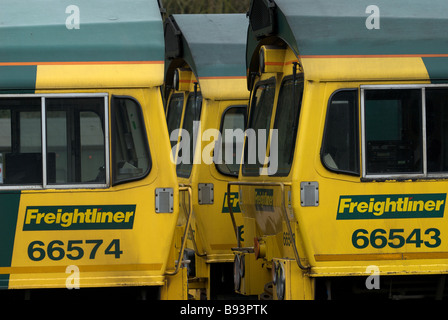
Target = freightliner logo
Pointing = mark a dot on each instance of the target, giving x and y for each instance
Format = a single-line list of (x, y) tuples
[(393, 206), (79, 217)]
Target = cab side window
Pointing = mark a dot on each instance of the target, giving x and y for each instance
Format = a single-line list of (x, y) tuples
[(192, 115), (405, 131), (174, 115), (393, 131), (53, 140), (258, 127), (131, 157), (20, 141), (228, 151), (75, 140), (340, 145), (437, 130), (287, 121)]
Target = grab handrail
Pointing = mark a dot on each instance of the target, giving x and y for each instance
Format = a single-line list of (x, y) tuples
[(187, 228)]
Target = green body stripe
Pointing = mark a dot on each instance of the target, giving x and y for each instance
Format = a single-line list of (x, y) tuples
[(437, 69), (8, 220), (13, 78)]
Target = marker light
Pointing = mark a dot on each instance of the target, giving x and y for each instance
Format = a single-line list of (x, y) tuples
[(182, 79)]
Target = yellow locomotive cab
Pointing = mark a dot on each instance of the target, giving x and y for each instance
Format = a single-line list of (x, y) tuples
[(348, 194), (206, 99), (89, 195)]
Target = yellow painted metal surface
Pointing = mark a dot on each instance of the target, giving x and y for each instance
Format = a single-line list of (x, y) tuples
[(354, 68), (224, 88), (328, 246), (96, 75), (212, 228), (100, 257)]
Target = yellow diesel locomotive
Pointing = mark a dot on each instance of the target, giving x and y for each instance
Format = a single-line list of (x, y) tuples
[(348, 198), (89, 197), (206, 93)]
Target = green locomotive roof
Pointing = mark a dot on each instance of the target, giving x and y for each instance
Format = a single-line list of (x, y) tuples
[(109, 30), (213, 45), (344, 28)]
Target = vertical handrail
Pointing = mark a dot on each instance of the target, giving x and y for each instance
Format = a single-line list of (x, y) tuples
[(285, 214), (187, 227), (184, 206)]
